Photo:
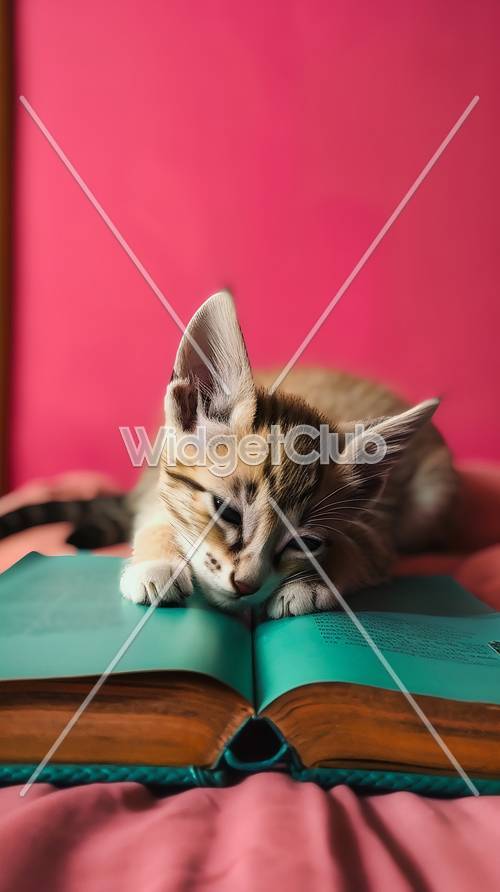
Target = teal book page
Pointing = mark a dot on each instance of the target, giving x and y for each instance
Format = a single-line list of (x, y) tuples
[(439, 639), (64, 616)]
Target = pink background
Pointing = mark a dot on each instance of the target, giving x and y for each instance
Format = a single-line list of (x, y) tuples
[(260, 147)]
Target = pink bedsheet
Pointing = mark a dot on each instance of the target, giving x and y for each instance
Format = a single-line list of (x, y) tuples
[(268, 832)]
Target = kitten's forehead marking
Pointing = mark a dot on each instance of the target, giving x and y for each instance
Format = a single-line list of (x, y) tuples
[(256, 513), (245, 490)]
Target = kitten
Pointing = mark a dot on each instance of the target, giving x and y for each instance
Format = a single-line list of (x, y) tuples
[(354, 517)]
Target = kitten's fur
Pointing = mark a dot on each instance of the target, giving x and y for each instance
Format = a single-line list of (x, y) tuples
[(360, 513)]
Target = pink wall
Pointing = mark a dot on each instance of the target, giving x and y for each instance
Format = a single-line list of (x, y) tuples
[(260, 146)]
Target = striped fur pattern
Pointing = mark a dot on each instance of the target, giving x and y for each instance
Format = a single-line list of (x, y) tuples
[(105, 520), (353, 517)]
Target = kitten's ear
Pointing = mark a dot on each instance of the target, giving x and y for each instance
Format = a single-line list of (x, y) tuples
[(372, 451), (212, 375)]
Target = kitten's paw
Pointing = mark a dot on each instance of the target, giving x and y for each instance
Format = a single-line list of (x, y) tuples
[(150, 582), (299, 597)]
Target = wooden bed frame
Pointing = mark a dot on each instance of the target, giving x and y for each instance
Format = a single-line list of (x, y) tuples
[(6, 117)]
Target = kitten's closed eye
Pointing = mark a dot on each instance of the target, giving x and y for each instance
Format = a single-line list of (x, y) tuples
[(230, 515), (312, 543)]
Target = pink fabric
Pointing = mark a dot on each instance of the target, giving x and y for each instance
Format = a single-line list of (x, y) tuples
[(261, 146), (267, 833)]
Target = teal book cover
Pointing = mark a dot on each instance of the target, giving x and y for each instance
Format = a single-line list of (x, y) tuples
[(191, 695)]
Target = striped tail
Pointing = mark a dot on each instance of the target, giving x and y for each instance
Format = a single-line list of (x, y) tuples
[(105, 520)]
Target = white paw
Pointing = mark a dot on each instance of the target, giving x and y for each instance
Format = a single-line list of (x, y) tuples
[(150, 582), (299, 597)]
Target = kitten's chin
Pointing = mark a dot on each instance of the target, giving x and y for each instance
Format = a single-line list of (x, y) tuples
[(229, 602), (223, 599), (226, 601)]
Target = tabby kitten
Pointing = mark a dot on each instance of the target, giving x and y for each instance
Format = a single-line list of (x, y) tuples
[(352, 516)]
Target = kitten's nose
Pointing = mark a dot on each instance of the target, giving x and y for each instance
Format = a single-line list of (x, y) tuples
[(242, 587)]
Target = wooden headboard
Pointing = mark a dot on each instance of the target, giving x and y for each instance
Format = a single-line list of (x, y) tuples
[(5, 221)]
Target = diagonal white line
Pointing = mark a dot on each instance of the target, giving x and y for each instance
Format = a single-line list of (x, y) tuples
[(118, 656), (375, 243), (376, 650), (120, 239)]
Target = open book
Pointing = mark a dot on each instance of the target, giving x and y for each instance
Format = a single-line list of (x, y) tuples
[(197, 687)]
